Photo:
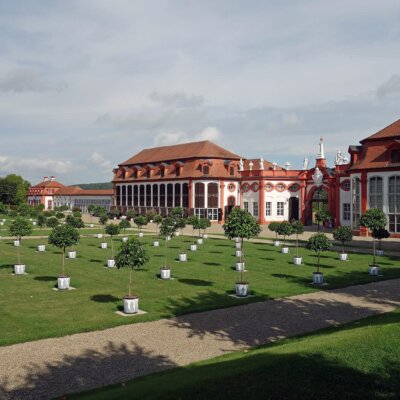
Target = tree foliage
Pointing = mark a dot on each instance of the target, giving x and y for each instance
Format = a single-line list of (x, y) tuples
[(373, 219), (168, 226), (343, 234), (75, 222), (284, 229), (112, 229), (63, 236), (52, 222), (124, 224), (13, 189), (240, 223), (20, 227)]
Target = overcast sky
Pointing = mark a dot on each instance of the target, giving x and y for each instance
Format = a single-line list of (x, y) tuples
[(84, 85)]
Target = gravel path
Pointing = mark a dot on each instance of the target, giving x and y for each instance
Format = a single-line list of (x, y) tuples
[(48, 368)]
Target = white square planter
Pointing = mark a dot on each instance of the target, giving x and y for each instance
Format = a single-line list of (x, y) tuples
[(379, 252), (277, 243), (177, 233), (63, 282), (182, 257), (91, 226), (156, 243), (193, 247), (343, 256), (168, 238), (1, 223), (238, 246), (297, 260), (318, 278), (140, 234), (19, 269), (72, 254), (131, 305), (242, 289), (41, 247), (34, 223), (285, 250), (373, 270), (124, 239), (103, 245), (205, 236), (165, 273), (99, 236), (240, 266), (110, 263), (199, 241), (17, 243), (238, 253), (237, 240)]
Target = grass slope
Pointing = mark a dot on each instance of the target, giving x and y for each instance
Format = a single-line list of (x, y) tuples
[(357, 361)]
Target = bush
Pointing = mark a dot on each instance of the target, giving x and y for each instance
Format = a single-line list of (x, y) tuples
[(343, 234)]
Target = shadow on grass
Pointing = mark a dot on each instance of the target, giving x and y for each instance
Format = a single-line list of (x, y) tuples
[(104, 298), (45, 278), (7, 266), (195, 282), (211, 263), (215, 252), (95, 260), (112, 364)]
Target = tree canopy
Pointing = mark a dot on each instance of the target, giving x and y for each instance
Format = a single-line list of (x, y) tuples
[(240, 223), (63, 236), (20, 227), (13, 189)]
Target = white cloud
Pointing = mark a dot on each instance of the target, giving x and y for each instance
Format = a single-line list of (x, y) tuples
[(210, 133), (290, 120), (34, 165), (170, 138), (389, 87), (99, 160)]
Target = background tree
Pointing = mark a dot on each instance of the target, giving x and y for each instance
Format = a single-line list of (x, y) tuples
[(157, 220), (124, 224), (373, 219), (343, 234), (131, 254), (140, 221), (167, 229), (60, 215), (323, 216), (180, 224), (380, 234), (115, 213), (103, 219), (273, 226), (150, 215), (52, 222), (318, 243), (130, 215), (41, 222), (284, 229), (205, 223), (194, 221), (13, 189), (90, 209), (63, 236), (19, 228), (298, 229), (112, 230)]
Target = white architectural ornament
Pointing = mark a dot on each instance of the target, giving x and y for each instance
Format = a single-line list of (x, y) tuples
[(340, 159), (241, 165), (287, 165), (321, 154), (251, 165), (274, 164), (317, 177), (261, 163), (305, 164)]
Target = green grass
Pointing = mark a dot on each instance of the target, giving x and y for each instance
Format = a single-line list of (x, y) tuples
[(357, 361), (30, 309)]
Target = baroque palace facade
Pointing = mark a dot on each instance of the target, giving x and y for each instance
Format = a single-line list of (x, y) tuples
[(208, 181)]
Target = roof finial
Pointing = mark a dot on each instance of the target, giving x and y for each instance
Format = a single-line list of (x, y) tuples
[(321, 154)]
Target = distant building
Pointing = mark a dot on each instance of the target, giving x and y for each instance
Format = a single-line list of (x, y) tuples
[(54, 194)]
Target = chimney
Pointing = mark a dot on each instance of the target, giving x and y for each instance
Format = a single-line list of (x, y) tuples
[(45, 178), (52, 178)]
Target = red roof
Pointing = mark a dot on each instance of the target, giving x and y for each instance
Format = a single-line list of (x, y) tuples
[(68, 190), (77, 191), (391, 131), (203, 149), (49, 184)]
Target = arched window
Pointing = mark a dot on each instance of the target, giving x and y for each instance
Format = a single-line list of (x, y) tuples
[(212, 198), (185, 195), (177, 195), (162, 195), (376, 192), (170, 195), (199, 195), (148, 195), (155, 195), (130, 195), (135, 195), (394, 203), (123, 195), (141, 191), (119, 196)]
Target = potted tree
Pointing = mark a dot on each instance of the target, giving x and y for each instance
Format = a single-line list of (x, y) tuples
[(380, 234), (150, 214), (115, 213), (298, 229), (124, 224), (317, 243), (157, 220), (284, 229), (77, 223), (194, 222), (41, 222), (373, 219), (240, 223), (103, 219), (131, 254), (273, 226), (344, 235), (180, 223), (19, 228), (167, 229), (140, 221), (112, 230), (206, 223), (322, 217), (177, 212), (201, 225), (63, 236), (90, 209)]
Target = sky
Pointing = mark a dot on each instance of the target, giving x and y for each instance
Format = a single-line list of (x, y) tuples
[(86, 84)]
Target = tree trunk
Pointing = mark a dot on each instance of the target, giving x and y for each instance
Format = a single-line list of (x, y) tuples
[(112, 247), (63, 262), (318, 262), (130, 282), (343, 247), (165, 252), (297, 245), (374, 248), (19, 256)]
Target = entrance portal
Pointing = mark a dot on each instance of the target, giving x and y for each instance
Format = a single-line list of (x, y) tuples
[(293, 209)]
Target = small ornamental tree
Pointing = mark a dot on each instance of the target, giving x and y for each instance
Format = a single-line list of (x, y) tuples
[(52, 222), (380, 234), (41, 222), (90, 209), (205, 223), (115, 213), (131, 254), (157, 220), (180, 223), (240, 223), (273, 226), (130, 215), (60, 215), (98, 211), (75, 222), (150, 215), (103, 219), (317, 243), (284, 229), (373, 219), (64, 236), (76, 213), (124, 224), (19, 228), (167, 228), (140, 221), (343, 234), (298, 229), (323, 216), (112, 230), (194, 222)]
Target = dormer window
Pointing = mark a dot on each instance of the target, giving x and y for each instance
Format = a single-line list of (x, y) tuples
[(206, 170), (177, 170), (395, 156), (135, 174), (231, 171), (148, 173), (162, 172)]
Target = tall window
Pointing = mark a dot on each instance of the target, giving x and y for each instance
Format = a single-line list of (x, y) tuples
[(268, 208), (199, 195), (155, 195), (141, 192), (177, 170), (280, 208), (246, 205), (255, 209), (124, 195), (162, 195), (376, 192), (231, 171), (130, 203), (135, 195), (395, 156), (170, 195), (356, 198), (394, 204), (148, 195), (148, 173), (135, 174), (185, 195), (177, 195), (119, 196), (212, 195), (346, 212), (162, 172)]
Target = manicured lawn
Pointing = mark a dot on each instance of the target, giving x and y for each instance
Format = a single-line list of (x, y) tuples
[(357, 361), (31, 309)]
